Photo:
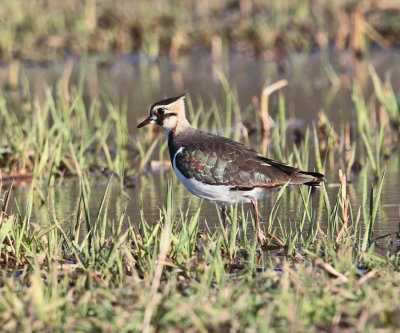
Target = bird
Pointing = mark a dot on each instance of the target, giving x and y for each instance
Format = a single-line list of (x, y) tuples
[(219, 169)]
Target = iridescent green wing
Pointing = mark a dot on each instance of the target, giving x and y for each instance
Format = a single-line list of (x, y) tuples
[(226, 162)]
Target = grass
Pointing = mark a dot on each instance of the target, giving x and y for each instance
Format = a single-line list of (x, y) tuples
[(261, 28), (95, 270), (64, 137), (171, 275)]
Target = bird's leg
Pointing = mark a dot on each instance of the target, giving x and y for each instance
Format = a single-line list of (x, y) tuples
[(223, 216), (260, 234), (262, 239)]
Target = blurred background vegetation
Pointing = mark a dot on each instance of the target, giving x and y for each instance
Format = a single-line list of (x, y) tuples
[(94, 236), (42, 30)]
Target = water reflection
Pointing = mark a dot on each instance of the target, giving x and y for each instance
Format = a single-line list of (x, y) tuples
[(151, 191), (315, 82)]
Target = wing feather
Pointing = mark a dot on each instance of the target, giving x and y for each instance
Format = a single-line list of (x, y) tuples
[(221, 161)]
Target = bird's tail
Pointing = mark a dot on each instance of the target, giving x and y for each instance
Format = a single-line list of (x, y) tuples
[(308, 178), (297, 177)]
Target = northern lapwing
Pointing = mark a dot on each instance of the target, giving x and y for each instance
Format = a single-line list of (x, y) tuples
[(219, 169)]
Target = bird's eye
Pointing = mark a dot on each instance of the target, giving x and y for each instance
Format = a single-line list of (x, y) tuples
[(161, 111)]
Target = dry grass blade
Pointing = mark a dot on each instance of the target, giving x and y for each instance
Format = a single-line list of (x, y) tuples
[(367, 276), (266, 120), (331, 270)]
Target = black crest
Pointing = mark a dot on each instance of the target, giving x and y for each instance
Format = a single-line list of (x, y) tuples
[(167, 101)]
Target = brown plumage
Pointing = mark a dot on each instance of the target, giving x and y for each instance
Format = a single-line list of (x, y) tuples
[(219, 169)]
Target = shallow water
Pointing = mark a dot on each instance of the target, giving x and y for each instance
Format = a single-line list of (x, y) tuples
[(312, 87)]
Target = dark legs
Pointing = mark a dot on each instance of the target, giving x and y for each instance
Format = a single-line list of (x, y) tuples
[(262, 239), (223, 216), (260, 234)]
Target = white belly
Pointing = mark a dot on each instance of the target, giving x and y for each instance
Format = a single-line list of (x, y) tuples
[(220, 194)]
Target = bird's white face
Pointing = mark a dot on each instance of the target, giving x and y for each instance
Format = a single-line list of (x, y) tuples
[(166, 114), (165, 117)]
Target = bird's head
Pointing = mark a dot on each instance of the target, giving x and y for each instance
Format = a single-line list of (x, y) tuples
[(168, 113)]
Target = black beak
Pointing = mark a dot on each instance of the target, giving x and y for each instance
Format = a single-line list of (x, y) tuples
[(145, 122)]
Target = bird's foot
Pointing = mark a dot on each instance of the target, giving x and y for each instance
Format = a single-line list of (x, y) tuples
[(262, 239), (270, 238), (278, 241)]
